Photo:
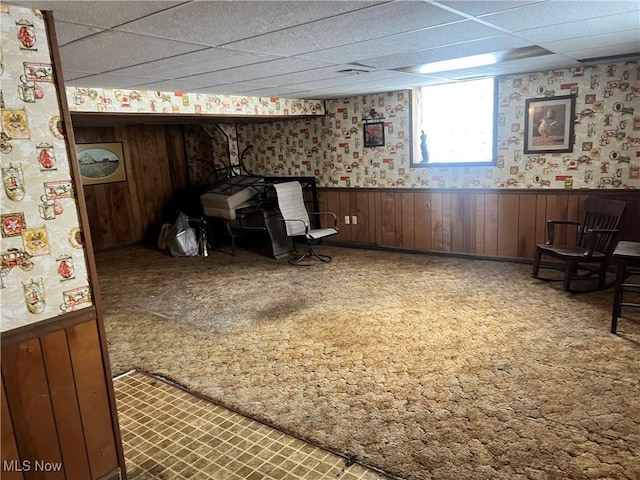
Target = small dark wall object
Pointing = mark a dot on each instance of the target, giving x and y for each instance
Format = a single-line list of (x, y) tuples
[(373, 134)]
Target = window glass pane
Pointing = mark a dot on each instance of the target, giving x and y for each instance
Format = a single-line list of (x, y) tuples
[(457, 120)]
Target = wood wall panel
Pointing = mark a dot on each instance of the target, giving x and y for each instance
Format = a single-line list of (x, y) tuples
[(332, 204), (526, 217), (371, 225), (422, 212), (446, 222), (9, 448), (56, 406), (491, 224), (436, 222), (361, 209), (508, 208), (345, 210), (457, 222), (388, 218), (62, 387), (407, 209), (479, 212), (469, 222), (377, 217), (487, 224), (92, 397), (541, 219), (397, 213), (121, 213), (29, 401)]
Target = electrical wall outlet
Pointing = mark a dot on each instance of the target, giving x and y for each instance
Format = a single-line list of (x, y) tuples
[(354, 219), (346, 219)]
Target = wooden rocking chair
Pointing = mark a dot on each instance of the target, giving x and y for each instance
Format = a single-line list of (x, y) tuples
[(596, 239)]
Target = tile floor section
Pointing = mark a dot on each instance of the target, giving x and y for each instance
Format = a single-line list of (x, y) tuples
[(168, 433)]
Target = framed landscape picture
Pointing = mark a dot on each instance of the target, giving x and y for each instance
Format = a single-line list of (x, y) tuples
[(101, 163)]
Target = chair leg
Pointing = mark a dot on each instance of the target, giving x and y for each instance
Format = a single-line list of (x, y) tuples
[(233, 240), (568, 274), (602, 275), (309, 252), (322, 258), (536, 263)]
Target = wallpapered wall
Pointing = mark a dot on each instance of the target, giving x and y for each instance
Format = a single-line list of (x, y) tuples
[(109, 100), (43, 270), (606, 152), (210, 148)]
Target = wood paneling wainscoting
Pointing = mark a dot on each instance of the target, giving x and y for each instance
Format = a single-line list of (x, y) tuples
[(58, 411), (494, 224), (120, 213)]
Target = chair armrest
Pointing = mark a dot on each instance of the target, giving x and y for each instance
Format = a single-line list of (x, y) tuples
[(306, 225), (551, 224), (331, 214)]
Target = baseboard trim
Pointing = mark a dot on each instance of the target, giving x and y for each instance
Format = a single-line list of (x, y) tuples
[(470, 256)]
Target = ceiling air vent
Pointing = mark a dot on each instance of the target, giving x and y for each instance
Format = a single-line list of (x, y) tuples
[(353, 71)]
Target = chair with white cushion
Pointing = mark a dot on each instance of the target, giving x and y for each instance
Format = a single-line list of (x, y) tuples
[(297, 224)]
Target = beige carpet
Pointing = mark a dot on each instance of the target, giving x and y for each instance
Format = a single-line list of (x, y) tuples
[(425, 367)]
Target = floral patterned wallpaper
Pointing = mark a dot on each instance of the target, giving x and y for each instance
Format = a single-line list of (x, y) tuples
[(332, 147), (209, 148), (43, 271), (606, 153), (106, 100)]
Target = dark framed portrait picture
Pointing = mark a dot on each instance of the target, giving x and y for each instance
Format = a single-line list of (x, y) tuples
[(101, 163), (373, 134), (548, 124)]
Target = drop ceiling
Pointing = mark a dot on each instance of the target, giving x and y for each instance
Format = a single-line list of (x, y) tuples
[(325, 49)]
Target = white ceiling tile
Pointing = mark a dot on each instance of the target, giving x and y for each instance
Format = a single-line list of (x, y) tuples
[(201, 61), (230, 89), (297, 47), (593, 26), (481, 8), (103, 13), (602, 40), (69, 32), (72, 75), (191, 84), (108, 81), (259, 70), (487, 45), (103, 52), (557, 12), (253, 91), (375, 22), (303, 76), (612, 50), (406, 42), (219, 22), (347, 80)]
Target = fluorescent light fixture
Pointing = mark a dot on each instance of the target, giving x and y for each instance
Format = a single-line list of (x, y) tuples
[(459, 63), (474, 61)]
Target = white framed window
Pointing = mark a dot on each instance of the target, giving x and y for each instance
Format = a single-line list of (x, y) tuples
[(455, 124)]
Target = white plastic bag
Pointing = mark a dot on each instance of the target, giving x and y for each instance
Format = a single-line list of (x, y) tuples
[(183, 241)]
